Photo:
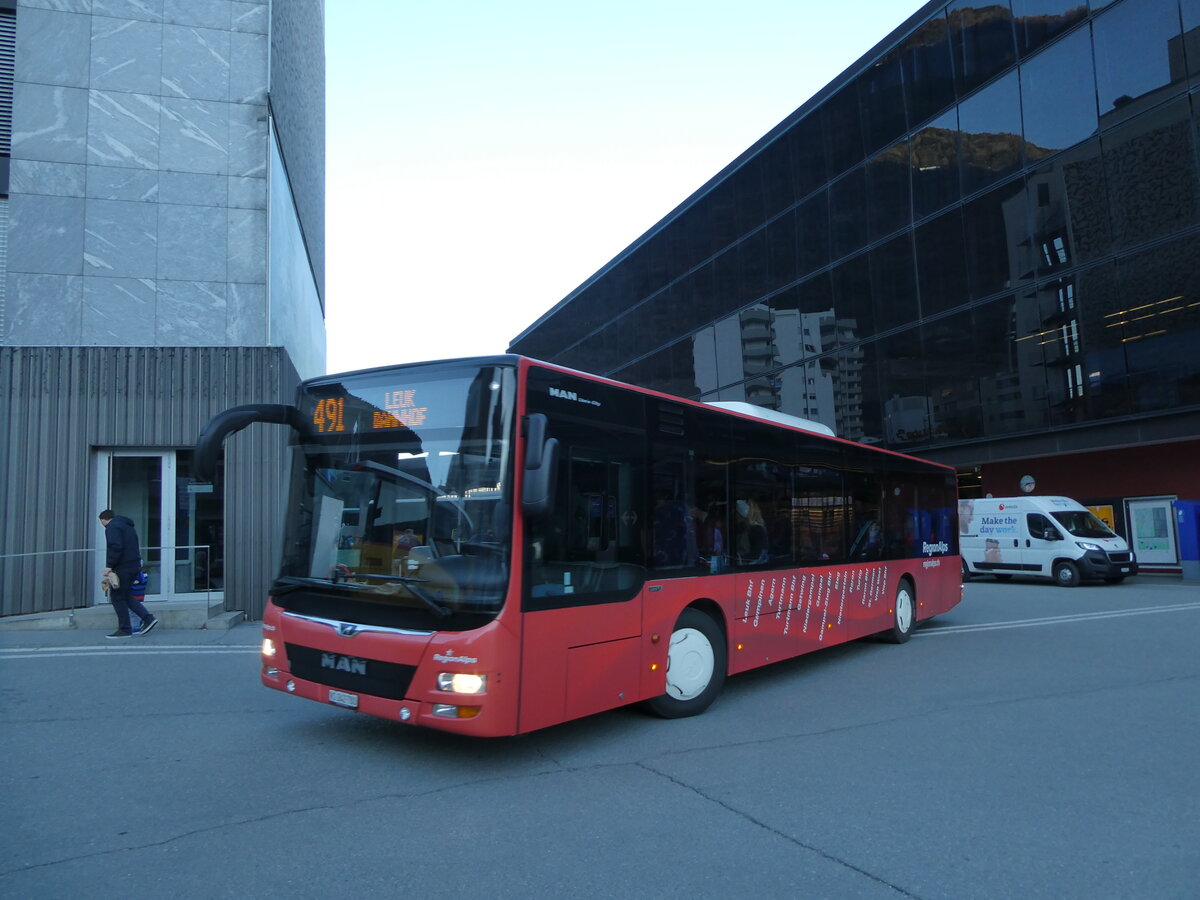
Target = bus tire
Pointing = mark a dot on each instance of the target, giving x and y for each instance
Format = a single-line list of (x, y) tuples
[(904, 614), (697, 659), (1066, 573)]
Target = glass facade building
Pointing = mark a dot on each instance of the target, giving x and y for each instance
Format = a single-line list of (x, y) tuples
[(980, 244)]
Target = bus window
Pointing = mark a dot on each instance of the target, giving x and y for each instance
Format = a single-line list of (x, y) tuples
[(818, 505), (689, 506), (863, 493), (589, 549)]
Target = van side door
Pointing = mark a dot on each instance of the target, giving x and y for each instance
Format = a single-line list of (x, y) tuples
[(1042, 544)]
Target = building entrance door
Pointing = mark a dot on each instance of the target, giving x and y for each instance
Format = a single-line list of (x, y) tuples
[(179, 522)]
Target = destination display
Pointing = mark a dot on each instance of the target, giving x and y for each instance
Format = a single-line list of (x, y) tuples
[(337, 410)]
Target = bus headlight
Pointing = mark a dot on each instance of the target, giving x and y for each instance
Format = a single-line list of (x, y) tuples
[(461, 683), (268, 649)]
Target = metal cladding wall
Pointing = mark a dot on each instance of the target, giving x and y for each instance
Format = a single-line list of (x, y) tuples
[(59, 404)]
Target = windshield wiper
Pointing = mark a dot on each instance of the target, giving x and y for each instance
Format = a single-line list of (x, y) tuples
[(410, 583), (288, 583)]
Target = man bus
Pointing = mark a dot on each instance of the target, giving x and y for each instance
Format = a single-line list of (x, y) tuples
[(496, 545)]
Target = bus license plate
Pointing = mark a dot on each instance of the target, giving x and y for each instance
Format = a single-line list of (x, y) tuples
[(341, 698)]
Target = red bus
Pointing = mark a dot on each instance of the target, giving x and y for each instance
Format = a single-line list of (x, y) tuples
[(496, 545)]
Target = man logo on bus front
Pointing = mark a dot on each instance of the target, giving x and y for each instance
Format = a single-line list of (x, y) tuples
[(347, 629)]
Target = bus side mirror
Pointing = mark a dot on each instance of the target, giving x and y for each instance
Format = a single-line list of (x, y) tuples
[(541, 468)]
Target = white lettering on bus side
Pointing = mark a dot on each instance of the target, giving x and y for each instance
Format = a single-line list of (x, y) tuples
[(841, 598)]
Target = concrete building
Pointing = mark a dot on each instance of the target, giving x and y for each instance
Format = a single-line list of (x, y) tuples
[(163, 210)]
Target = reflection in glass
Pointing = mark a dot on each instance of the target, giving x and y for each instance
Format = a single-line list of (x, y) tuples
[(996, 229), (928, 73), (981, 37), (881, 96), (806, 143), (812, 223), (843, 131), (894, 283), (888, 206), (1191, 38), (1040, 21), (1058, 96), (935, 161), (907, 408), (953, 374), (991, 134), (1159, 318), (847, 200), (857, 413), (941, 268), (1151, 173), (782, 258), (1132, 43), (1069, 213), (852, 295)]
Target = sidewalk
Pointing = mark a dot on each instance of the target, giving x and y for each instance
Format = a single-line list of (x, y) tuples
[(246, 635), (171, 614)]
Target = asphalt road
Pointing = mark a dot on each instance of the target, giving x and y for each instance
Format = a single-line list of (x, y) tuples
[(1034, 742)]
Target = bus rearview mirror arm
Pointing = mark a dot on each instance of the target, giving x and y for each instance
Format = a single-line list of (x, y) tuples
[(220, 426), (541, 468)]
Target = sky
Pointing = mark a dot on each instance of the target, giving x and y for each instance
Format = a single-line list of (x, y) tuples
[(486, 157)]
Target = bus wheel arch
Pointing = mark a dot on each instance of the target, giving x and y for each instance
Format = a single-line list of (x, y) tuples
[(697, 663), (904, 612)]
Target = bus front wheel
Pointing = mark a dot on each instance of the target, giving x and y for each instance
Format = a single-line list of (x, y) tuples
[(696, 663), (904, 614)]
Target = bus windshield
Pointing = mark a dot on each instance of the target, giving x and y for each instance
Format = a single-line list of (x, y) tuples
[(400, 498), (1082, 523)]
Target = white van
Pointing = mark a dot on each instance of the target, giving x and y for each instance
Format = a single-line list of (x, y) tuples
[(1053, 537)]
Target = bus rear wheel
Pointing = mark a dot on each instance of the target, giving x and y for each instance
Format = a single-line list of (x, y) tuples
[(696, 664), (904, 614)]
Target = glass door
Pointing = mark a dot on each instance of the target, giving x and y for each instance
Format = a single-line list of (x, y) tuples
[(180, 523)]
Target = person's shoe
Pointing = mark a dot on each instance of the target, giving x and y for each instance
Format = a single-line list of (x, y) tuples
[(119, 634), (146, 626)]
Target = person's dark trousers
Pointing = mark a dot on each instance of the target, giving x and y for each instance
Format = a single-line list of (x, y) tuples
[(123, 603)]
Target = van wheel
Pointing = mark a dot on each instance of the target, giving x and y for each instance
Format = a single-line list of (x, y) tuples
[(1066, 573), (966, 576), (904, 614), (696, 665)]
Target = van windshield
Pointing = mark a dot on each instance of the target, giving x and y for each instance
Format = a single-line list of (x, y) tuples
[(1082, 523)]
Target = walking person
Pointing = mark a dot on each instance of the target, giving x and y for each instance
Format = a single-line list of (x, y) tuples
[(123, 559)]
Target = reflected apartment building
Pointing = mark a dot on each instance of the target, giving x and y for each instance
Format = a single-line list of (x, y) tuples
[(162, 216), (980, 245)]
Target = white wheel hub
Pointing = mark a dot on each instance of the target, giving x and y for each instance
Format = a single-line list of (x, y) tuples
[(904, 610), (689, 664)]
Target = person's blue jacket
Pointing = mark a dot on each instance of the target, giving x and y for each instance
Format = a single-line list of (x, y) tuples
[(122, 540)]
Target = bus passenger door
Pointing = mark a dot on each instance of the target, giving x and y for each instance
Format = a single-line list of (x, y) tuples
[(582, 623)]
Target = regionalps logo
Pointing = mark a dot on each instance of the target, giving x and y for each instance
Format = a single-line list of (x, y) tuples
[(930, 549)]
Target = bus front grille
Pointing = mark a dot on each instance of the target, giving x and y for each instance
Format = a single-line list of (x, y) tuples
[(350, 673)]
